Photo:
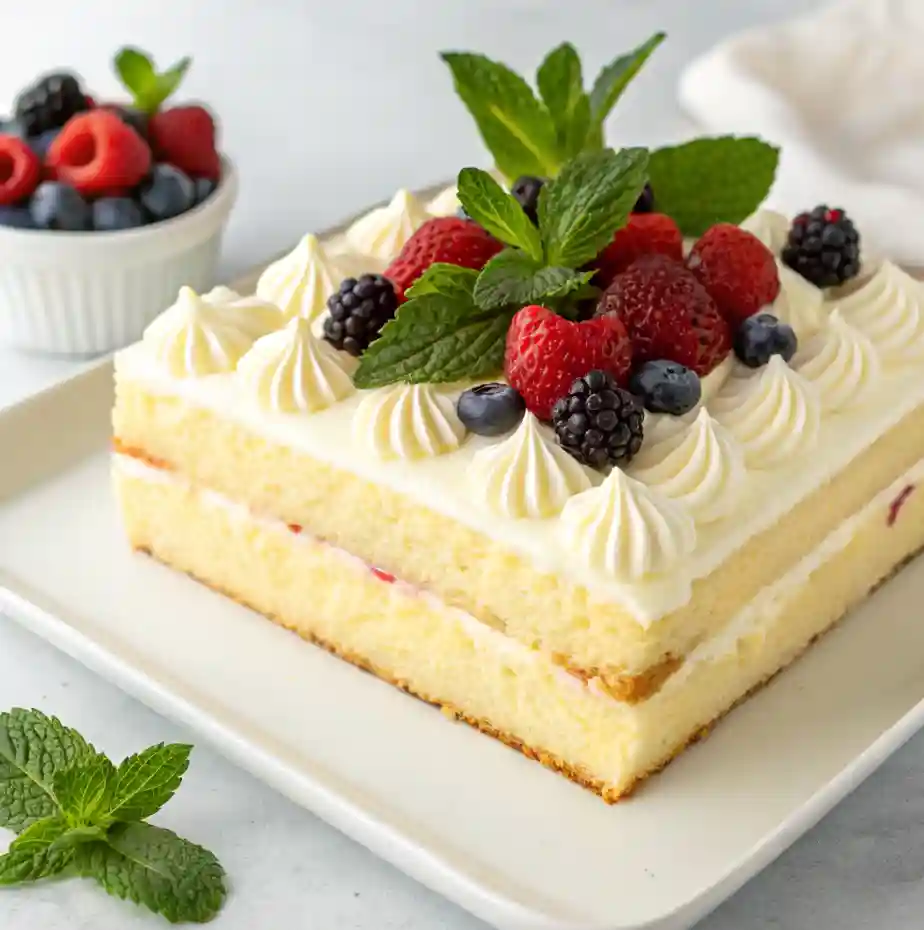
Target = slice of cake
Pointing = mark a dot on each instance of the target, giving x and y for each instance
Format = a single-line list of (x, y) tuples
[(544, 466)]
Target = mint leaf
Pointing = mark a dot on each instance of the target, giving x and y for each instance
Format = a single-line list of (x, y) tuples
[(513, 278), (37, 852), (435, 338), (148, 88), (488, 204), (146, 781), (158, 869), (515, 126), (709, 181), (581, 209), (452, 281), (83, 790), (33, 748), (614, 79), (561, 86)]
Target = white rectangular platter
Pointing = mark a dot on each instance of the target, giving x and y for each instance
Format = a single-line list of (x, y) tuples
[(513, 843)]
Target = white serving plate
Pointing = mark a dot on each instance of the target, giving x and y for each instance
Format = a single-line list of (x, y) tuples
[(513, 843)]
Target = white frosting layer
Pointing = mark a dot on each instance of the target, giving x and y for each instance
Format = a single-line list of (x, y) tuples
[(770, 227), (382, 232), (300, 283), (526, 475), (442, 483), (889, 310), (408, 421), (702, 467), (292, 371), (445, 203), (799, 303)]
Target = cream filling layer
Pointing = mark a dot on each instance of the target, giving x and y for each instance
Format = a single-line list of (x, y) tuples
[(760, 614)]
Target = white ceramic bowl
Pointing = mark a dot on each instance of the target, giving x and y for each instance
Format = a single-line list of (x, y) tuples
[(85, 293)]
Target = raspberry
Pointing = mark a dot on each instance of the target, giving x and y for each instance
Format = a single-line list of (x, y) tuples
[(644, 234), (545, 354), (668, 314), (185, 138), (444, 239), (20, 170), (99, 155), (737, 270)]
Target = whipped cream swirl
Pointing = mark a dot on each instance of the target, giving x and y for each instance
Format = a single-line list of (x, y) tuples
[(799, 303), (408, 421), (841, 362), (445, 203), (382, 232), (626, 530), (201, 336), (702, 467), (889, 310), (772, 411), (300, 283), (770, 227), (292, 371), (526, 475)]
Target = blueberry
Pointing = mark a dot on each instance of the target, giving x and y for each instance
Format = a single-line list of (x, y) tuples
[(205, 187), (132, 117), (759, 337), (114, 213), (16, 217), (41, 143), (167, 192), (59, 206), (490, 409), (666, 387), (525, 191), (646, 201)]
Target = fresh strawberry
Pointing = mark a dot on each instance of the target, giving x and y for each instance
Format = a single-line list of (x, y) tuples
[(97, 154), (669, 315), (444, 239), (20, 170), (644, 234), (737, 270), (185, 138), (545, 353)]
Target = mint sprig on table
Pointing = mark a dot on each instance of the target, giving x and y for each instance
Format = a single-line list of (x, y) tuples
[(78, 814), (454, 324), (149, 88)]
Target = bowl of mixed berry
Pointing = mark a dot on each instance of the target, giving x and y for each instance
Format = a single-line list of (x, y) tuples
[(106, 208)]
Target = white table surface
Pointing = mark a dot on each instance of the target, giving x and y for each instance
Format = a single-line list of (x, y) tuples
[(352, 91)]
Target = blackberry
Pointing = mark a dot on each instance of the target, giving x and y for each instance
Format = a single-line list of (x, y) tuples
[(599, 423), (646, 201), (525, 191), (823, 246), (50, 103), (358, 311)]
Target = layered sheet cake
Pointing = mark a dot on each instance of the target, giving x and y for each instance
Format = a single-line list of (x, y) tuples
[(583, 473)]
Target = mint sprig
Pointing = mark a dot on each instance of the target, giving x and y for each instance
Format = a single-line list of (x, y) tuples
[(514, 278), (489, 205), (77, 813), (561, 86), (148, 87), (708, 181)]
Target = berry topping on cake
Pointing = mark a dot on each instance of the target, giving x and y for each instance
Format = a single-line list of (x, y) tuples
[(525, 191), (357, 311), (20, 170), (50, 103), (166, 192), (668, 315), (646, 201), (111, 214), (666, 387), (737, 270), (545, 353), (823, 246), (445, 239), (598, 422), (643, 234), (98, 154), (58, 206), (762, 336), (185, 138), (490, 409)]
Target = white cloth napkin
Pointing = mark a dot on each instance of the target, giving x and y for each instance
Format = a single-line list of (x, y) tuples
[(842, 92)]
